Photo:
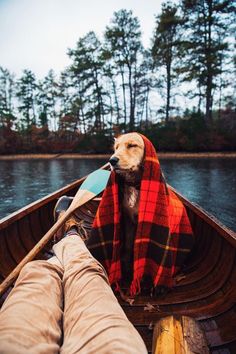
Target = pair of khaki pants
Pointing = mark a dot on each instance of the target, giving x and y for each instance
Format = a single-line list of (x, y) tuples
[(65, 305)]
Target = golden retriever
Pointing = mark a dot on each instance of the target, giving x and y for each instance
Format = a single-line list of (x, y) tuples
[(127, 163)]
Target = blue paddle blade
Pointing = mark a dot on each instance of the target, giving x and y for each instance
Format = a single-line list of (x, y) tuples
[(96, 181)]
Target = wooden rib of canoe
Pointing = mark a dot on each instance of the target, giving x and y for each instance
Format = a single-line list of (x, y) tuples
[(206, 290)]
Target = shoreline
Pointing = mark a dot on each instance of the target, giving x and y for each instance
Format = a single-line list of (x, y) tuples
[(161, 155)]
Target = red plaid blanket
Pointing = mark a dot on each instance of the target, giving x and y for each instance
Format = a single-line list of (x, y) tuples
[(164, 235)]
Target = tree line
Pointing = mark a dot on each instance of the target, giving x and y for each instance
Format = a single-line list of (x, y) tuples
[(180, 91)]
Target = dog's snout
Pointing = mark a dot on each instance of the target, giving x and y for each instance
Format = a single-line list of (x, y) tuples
[(113, 160)]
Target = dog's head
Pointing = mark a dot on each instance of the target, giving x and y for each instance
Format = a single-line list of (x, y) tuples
[(128, 153)]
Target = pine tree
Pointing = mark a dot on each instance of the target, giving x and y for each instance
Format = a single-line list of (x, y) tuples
[(46, 98), (64, 91), (87, 72), (112, 92), (123, 47), (166, 48), (7, 89), (208, 24), (26, 91), (144, 79)]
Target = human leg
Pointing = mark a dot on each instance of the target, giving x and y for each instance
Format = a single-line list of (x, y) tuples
[(30, 318), (94, 322)]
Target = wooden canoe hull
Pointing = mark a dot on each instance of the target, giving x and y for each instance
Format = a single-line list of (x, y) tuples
[(206, 290)]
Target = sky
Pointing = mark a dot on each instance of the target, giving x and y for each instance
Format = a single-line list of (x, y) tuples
[(36, 34)]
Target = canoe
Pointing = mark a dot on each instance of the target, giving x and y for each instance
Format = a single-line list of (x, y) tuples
[(205, 289)]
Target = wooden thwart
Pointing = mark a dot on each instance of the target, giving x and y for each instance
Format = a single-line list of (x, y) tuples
[(178, 335)]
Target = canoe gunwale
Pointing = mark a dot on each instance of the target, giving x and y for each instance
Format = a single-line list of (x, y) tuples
[(211, 220)]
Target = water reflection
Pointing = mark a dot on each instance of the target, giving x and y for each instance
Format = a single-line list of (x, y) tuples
[(22, 182), (210, 183)]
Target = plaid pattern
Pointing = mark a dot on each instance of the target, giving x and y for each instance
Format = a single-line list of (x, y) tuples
[(164, 234)]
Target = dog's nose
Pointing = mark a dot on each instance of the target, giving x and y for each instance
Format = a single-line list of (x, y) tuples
[(113, 160)]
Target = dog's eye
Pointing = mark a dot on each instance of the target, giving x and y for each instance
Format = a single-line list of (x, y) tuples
[(131, 145)]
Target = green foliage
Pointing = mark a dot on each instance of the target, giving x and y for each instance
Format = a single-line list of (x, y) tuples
[(7, 87), (87, 71), (26, 90), (43, 119), (166, 48), (47, 92), (206, 42), (123, 48), (98, 144), (190, 133)]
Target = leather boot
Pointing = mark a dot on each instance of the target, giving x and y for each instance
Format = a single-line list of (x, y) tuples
[(73, 223)]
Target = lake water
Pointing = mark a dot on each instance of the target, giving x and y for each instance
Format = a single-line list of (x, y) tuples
[(211, 183)]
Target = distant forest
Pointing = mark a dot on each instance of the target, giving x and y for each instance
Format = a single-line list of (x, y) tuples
[(180, 92)]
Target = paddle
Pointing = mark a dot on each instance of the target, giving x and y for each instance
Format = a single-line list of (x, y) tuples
[(94, 184)]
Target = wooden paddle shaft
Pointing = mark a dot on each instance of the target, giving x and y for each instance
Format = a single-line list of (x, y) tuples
[(81, 197)]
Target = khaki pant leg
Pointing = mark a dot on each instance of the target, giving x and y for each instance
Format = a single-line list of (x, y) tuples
[(94, 322), (31, 316)]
